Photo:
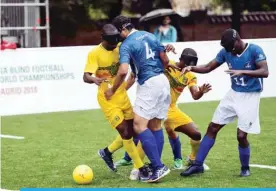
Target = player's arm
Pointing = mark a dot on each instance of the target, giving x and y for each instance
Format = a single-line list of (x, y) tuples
[(122, 72), (260, 72), (130, 81), (198, 91), (90, 68), (203, 69), (212, 65), (120, 77)]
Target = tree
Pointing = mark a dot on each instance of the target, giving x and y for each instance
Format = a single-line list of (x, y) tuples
[(245, 5)]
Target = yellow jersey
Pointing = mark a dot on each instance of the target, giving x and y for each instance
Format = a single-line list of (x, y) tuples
[(178, 82), (104, 64)]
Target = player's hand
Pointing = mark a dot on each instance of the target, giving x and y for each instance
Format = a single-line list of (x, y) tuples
[(172, 67), (234, 72), (108, 94), (205, 88), (98, 81), (170, 48), (186, 69)]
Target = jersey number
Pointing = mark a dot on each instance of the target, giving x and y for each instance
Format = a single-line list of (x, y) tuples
[(149, 52), (239, 81)]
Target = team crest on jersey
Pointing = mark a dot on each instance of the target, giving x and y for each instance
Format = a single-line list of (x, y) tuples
[(185, 80), (117, 118), (248, 65)]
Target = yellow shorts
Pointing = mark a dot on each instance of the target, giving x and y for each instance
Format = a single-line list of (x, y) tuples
[(117, 109), (176, 118)]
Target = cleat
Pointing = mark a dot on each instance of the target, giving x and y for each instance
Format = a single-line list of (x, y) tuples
[(107, 159), (134, 174), (245, 171), (159, 173), (193, 169), (178, 164), (190, 162), (144, 173), (123, 162)]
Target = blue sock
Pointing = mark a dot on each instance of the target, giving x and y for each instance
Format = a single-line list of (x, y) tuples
[(159, 137), (127, 157), (150, 148), (176, 147), (204, 148), (244, 156)]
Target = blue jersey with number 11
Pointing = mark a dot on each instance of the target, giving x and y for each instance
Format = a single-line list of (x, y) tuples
[(144, 49), (246, 61)]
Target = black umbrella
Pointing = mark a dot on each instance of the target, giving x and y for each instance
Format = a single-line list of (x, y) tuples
[(161, 13)]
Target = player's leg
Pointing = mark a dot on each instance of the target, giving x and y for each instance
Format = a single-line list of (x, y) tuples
[(244, 152), (106, 153), (126, 160), (247, 107), (190, 129), (126, 131), (205, 146), (224, 114), (115, 145), (147, 141), (157, 131), (176, 147), (135, 173), (152, 101)]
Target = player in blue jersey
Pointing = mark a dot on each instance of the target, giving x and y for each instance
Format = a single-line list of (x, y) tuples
[(153, 90), (247, 68)]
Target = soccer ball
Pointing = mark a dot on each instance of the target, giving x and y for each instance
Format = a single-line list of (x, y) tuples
[(83, 174)]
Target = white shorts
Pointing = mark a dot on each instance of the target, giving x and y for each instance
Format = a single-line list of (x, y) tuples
[(244, 106), (153, 98)]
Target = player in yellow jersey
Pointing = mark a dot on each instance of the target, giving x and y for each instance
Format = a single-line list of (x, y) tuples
[(178, 121), (101, 69)]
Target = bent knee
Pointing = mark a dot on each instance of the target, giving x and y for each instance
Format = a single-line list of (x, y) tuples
[(196, 136), (213, 129), (171, 133)]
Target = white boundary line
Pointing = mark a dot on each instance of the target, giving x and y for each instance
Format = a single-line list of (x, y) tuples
[(263, 166), (10, 136)]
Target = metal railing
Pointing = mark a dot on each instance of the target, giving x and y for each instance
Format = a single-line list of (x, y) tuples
[(22, 19)]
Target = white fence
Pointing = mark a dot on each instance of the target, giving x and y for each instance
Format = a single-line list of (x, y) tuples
[(50, 79)]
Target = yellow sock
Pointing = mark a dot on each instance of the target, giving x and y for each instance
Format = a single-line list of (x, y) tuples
[(140, 152), (116, 144), (133, 153), (195, 146)]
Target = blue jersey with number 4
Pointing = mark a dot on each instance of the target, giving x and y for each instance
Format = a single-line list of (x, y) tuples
[(246, 61), (144, 49)]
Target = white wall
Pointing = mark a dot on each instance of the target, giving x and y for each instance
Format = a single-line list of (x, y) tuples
[(21, 96)]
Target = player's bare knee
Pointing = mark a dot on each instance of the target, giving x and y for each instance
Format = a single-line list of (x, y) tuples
[(171, 133), (212, 130), (242, 138), (196, 136), (124, 132)]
